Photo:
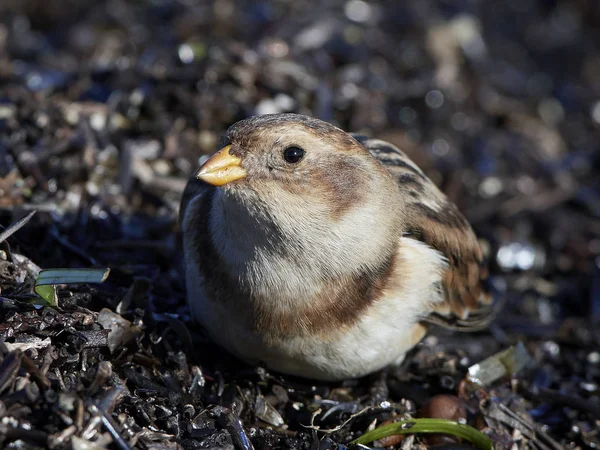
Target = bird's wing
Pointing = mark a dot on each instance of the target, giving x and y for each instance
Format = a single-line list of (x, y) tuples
[(199, 251), (193, 188), (434, 220)]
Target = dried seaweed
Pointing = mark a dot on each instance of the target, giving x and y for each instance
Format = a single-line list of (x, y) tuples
[(106, 109)]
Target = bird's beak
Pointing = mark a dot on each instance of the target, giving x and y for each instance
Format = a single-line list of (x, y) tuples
[(221, 168)]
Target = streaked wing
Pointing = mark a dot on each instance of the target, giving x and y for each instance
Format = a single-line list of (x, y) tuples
[(433, 219)]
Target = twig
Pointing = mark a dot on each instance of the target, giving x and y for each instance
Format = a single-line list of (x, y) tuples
[(12, 229)]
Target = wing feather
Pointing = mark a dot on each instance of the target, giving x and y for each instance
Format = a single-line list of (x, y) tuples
[(433, 219)]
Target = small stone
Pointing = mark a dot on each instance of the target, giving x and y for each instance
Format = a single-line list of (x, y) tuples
[(443, 406)]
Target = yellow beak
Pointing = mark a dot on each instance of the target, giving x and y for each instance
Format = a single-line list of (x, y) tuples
[(221, 168)]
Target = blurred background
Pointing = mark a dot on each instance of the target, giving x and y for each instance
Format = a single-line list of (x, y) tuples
[(107, 106)]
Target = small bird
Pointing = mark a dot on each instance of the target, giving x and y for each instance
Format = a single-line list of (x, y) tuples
[(323, 254)]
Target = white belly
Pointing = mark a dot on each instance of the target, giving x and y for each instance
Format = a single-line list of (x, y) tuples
[(387, 330)]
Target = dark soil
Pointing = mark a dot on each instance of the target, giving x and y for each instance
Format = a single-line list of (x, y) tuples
[(105, 109)]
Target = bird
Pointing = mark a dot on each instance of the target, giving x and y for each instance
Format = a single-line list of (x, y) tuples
[(324, 254)]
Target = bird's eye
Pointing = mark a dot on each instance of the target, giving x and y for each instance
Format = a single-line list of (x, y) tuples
[(293, 155)]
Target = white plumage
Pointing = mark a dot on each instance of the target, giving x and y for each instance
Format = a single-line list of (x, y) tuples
[(324, 267)]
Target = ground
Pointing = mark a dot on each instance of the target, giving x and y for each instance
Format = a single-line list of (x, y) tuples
[(105, 110)]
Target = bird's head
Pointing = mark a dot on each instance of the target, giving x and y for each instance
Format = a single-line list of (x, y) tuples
[(295, 165)]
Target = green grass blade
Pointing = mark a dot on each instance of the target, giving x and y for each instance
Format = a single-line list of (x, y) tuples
[(428, 426), (45, 285), (48, 293)]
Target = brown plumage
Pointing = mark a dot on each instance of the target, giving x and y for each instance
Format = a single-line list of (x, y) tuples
[(433, 219), (315, 263)]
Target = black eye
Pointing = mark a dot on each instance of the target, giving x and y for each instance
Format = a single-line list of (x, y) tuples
[(293, 155)]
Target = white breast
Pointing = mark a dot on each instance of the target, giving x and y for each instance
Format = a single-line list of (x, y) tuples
[(388, 329)]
